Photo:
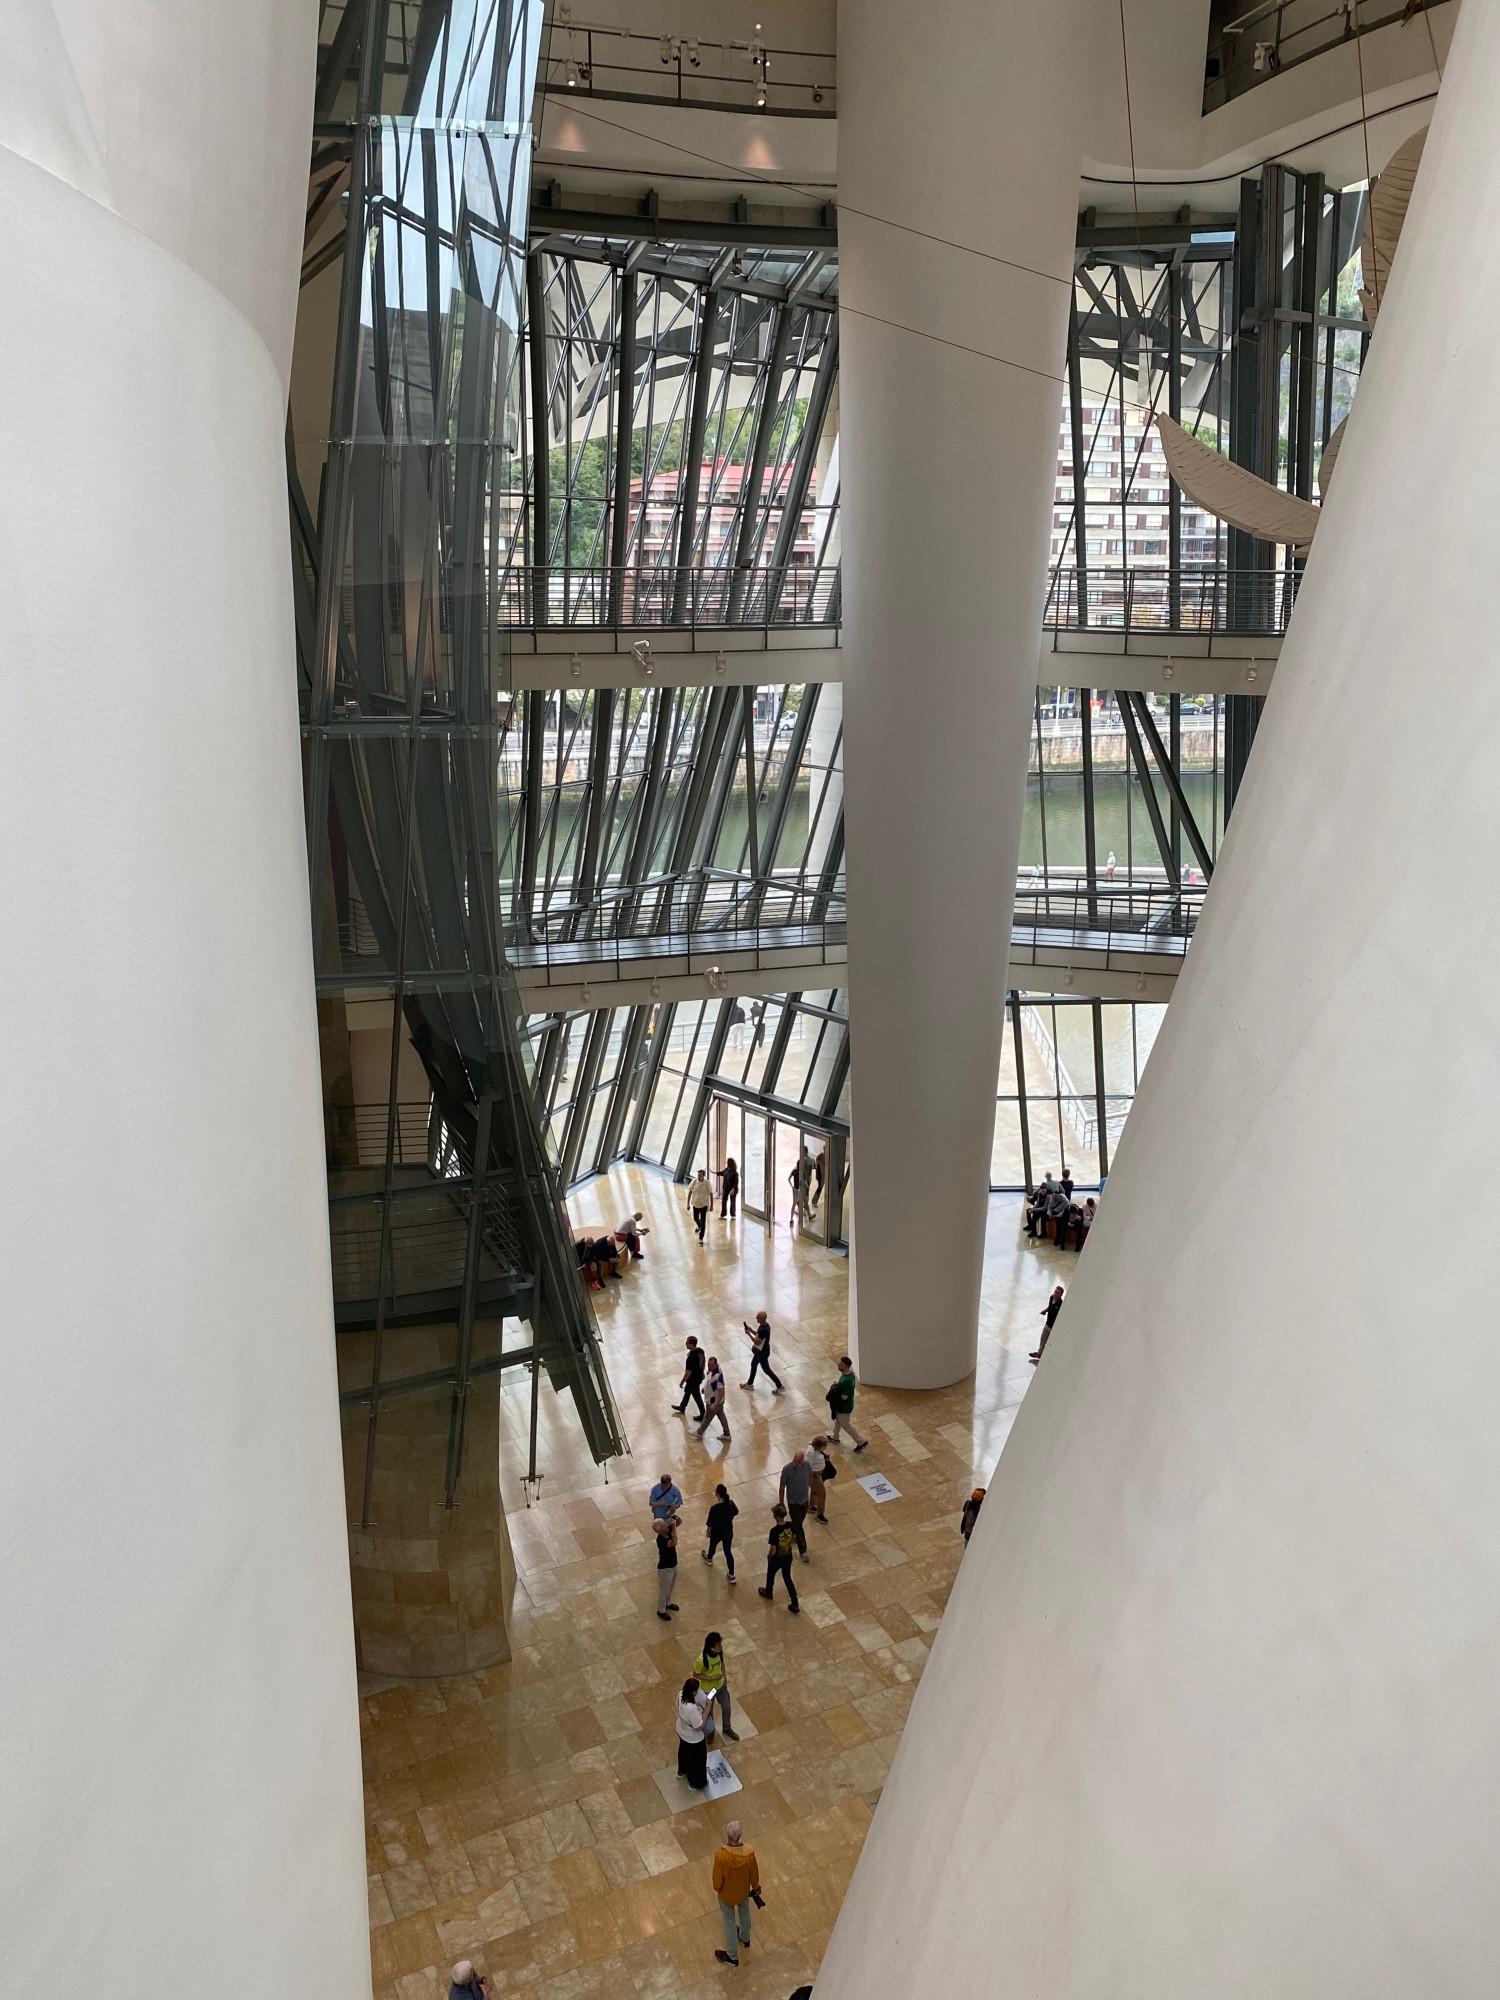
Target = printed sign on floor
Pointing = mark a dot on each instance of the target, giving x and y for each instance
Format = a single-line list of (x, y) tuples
[(879, 1487), (681, 1796)]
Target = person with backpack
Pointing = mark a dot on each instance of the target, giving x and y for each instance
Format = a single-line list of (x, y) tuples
[(720, 1525), (841, 1403), (822, 1469), (780, 1544)]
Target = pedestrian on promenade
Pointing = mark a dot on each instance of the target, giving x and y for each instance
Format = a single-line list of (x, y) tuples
[(779, 1545), (700, 1199), (712, 1678), (796, 1489), (666, 1569), (821, 1468), (737, 1885), (720, 1525), (692, 1734), (692, 1377), (841, 1403), (1049, 1314), (760, 1354), (713, 1394)]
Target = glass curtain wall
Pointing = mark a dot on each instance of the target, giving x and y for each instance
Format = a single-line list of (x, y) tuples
[(674, 467), (1068, 1077), (631, 812), (638, 1083)]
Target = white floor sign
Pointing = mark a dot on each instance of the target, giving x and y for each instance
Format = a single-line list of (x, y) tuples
[(879, 1487)]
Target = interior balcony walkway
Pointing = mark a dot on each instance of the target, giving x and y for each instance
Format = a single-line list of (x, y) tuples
[(1117, 939), (1203, 630)]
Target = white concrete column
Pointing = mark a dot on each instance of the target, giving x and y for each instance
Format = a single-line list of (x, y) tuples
[(179, 1756), (1214, 1709), (958, 184)]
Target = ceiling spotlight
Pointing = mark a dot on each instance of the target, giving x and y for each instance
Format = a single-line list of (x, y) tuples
[(760, 92), (817, 93), (570, 74), (666, 48), (693, 56)]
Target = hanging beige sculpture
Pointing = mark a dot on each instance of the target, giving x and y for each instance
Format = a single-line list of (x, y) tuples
[(1241, 498)]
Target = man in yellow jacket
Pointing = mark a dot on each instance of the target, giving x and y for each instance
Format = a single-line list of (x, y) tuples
[(736, 1881)]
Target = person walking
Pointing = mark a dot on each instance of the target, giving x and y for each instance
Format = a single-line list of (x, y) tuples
[(712, 1678), (800, 1180), (796, 1488), (971, 1513), (729, 1190), (700, 1199), (1049, 1313), (666, 1568), (692, 1734), (467, 1984), (841, 1403), (737, 1885), (779, 1545), (760, 1353), (821, 1469), (691, 1384), (713, 1393), (720, 1526), (820, 1174)]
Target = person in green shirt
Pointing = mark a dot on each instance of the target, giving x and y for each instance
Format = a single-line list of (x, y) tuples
[(711, 1671), (841, 1404)]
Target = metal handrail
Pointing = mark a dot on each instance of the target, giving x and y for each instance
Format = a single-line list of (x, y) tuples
[(651, 594), (1139, 597)]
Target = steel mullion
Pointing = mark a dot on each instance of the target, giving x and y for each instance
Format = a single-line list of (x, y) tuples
[(1174, 786), (697, 421)]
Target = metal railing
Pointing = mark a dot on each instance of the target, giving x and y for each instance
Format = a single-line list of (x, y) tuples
[(664, 594), (1274, 35), (419, 1139), (1134, 597), (1105, 916), (644, 68)]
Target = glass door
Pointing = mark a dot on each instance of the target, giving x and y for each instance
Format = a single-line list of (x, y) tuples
[(755, 1192)]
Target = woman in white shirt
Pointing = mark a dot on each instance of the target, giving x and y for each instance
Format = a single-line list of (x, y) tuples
[(692, 1737), (817, 1465)]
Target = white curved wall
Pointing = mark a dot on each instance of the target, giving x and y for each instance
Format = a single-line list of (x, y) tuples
[(957, 202), (178, 1755), (202, 110), (1214, 1707)]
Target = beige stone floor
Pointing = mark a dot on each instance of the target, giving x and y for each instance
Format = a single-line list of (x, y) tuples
[(512, 1815)]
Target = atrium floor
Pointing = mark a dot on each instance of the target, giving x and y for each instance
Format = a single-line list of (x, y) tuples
[(513, 1816)]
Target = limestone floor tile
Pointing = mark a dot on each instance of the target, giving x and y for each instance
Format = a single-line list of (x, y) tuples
[(511, 1814)]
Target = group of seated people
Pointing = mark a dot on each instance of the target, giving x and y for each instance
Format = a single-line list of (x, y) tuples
[(604, 1257), (1051, 1212)]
